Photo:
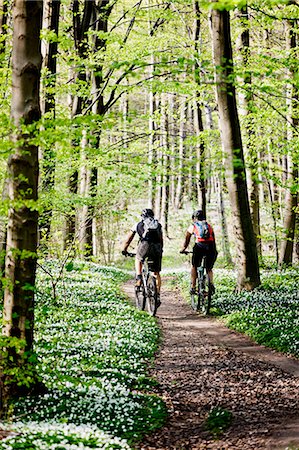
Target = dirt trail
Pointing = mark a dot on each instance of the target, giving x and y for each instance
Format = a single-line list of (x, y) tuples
[(202, 364)]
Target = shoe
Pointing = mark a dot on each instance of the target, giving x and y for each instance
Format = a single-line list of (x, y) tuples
[(212, 289), (158, 300), (192, 291)]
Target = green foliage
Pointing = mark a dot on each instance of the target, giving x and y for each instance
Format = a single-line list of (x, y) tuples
[(93, 348), (218, 421), (17, 366), (269, 314)]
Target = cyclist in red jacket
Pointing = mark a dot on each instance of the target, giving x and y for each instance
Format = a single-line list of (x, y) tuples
[(204, 245)]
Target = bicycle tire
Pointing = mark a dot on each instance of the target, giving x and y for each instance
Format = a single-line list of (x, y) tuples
[(140, 298), (151, 299), (194, 301), (207, 299), (207, 303), (201, 293)]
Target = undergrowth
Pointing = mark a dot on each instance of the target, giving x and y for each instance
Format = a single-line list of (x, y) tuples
[(269, 314), (93, 351)]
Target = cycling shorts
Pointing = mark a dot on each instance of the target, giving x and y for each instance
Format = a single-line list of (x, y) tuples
[(201, 249), (153, 253)]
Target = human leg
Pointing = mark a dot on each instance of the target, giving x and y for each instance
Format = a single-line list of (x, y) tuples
[(211, 258), (138, 267), (196, 261), (193, 277), (141, 253), (158, 280)]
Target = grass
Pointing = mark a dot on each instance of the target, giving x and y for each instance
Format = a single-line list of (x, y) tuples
[(269, 314), (93, 352)]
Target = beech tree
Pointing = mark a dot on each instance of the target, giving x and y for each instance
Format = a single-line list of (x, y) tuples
[(20, 267), (291, 200), (248, 267)]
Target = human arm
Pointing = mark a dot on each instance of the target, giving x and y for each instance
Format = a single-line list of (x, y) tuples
[(186, 242), (128, 241)]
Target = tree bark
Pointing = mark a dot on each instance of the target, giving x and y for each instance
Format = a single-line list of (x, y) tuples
[(246, 102), (81, 25), (198, 122), (248, 267), (20, 263), (291, 200), (180, 188), (166, 164), (52, 11)]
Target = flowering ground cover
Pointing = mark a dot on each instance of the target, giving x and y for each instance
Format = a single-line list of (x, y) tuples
[(93, 350), (269, 314)]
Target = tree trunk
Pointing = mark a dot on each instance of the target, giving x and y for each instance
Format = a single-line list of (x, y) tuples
[(81, 25), (166, 164), (248, 267), (291, 201), (246, 102), (18, 309), (152, 157), (180, 189), (225, 239), (198, 122), (51, 12)]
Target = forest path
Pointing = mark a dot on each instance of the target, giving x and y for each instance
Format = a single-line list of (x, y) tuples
[(202, 364)]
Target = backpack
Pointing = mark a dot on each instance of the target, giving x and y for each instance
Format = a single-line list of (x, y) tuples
[(151, 229), (202, 230)]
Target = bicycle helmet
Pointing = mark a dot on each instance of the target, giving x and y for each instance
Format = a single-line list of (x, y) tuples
[(199, 215), (147, 212)]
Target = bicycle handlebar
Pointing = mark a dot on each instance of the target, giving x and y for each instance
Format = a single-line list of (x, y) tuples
[(130, 255)]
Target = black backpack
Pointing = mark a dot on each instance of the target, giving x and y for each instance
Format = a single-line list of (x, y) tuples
[(150, 230)]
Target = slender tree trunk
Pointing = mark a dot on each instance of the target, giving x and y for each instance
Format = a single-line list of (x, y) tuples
[(3, 223), (291, 200), (51, 11), (152, 159), (248, 267), (83, 185), (81, 25), (18, 309), (166, 164), (246, 102), (180, 189), (198, 122), (225, 240)]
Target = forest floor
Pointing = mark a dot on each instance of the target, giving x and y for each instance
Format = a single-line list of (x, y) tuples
[(202, 364)]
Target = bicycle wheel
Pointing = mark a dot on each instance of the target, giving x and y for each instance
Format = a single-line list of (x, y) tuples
[(207, 302), (194, 297), (140, 297), (202, 293), (151, 295)]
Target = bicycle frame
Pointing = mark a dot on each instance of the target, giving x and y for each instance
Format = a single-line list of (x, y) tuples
[(146, 294), (150, 288), (201, 300)]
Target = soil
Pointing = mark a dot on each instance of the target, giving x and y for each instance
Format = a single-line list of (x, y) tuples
[(200, 365)]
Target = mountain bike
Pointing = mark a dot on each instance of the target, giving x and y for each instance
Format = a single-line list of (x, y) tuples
[(146, 295), (202, 297)]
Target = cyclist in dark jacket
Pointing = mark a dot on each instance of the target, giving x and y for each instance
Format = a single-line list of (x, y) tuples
[(205, 244), (150, 245)]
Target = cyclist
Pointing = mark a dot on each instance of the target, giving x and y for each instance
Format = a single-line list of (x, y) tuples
[(150, 245), (205, 244)]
